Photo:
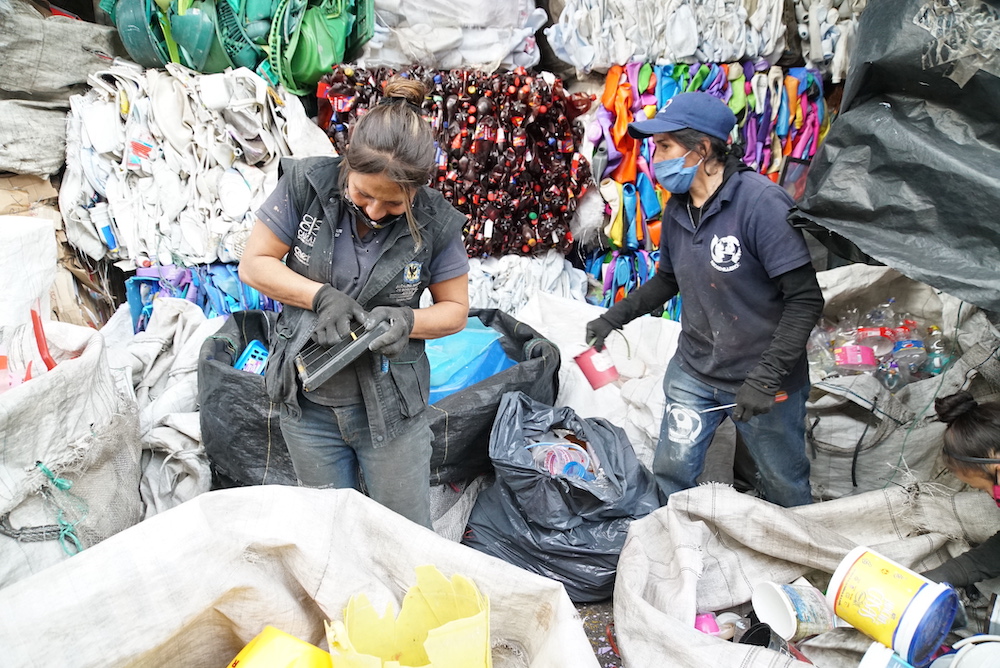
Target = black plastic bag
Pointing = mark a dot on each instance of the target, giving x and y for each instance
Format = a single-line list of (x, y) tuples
[(560, 526), (461, 422), (910, 170), (239, 425)]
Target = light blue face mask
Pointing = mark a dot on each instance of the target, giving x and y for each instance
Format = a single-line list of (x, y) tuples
[(674, 176)]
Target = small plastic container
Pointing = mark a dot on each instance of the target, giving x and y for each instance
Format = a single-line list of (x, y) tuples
[(893, 605), (597, 367), (855, 358), (253, 359)]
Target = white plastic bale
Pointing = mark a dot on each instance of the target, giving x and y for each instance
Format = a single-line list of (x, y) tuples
[(192, 586), (76, 422)]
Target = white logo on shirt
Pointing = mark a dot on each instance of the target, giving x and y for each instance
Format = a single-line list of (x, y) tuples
[(726, 253)]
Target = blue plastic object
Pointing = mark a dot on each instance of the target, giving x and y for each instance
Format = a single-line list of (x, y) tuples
[(253, 359), (464, 359)]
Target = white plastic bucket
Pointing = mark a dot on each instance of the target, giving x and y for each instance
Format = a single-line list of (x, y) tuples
[(793, 611)]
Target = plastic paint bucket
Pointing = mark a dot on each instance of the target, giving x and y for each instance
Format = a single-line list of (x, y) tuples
[(597, 367), (855, 358), (880, 656), (793, 611), (892, 604)]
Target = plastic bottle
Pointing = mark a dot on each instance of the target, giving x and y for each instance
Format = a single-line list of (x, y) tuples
[(889, 374), (909, 352), (938, 351), (819, 353), (876, 329)]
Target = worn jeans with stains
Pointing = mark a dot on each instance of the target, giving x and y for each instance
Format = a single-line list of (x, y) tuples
[(776, 440), (331, 447)]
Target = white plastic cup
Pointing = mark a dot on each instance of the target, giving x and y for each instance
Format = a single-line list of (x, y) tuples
[(793, 611)]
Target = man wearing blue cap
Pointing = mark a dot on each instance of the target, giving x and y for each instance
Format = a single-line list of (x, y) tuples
[(750, 301)]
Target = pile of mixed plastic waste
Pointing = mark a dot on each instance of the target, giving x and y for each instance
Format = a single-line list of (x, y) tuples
[(894, 347), (292, 43), (507, 156)]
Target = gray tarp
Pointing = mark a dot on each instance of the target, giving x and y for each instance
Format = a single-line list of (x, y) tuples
[(910, 170)]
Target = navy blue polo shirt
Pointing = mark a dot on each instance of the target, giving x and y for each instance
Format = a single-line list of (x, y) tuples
[(725, 270)]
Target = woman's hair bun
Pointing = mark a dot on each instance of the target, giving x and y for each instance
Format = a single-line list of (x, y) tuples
[(954, 406), (411, 90)]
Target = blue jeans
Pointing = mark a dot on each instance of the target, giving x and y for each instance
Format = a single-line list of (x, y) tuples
[(331, 447), (776, 440)]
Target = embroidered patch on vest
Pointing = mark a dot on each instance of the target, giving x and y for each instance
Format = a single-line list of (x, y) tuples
[(411, 273)]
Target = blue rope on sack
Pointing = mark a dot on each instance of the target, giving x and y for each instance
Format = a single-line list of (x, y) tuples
[(67, 529)]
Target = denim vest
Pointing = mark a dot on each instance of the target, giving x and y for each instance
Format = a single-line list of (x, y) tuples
[(394, 393)]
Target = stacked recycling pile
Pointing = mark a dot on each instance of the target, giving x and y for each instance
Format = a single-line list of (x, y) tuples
[(507, 150), (594, 36), (292, 43), (480, 34)]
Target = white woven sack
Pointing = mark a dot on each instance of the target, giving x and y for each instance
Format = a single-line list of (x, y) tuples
[(707, 549), (75, 422), (861, 437), (193, 585)]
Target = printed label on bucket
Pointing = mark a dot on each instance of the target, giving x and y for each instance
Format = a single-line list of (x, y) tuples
[(874, 596)]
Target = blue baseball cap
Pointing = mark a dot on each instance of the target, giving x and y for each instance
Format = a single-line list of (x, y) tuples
[(697, 111)]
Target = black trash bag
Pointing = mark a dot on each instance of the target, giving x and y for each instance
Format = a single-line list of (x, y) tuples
[(461, 422), (561, 527), (910, 170), (239, 425)]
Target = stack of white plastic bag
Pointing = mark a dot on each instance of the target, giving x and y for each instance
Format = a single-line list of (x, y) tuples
[(593, 36), (160, 367), (168, 166), (596, 35), (447, 35), (826, 28), (507, 283)]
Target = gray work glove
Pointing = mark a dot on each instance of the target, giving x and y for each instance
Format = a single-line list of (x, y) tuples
[(598, 330), (335, 312), (400, 319), (752, 400)]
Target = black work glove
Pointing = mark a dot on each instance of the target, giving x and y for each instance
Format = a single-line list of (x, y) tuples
[(751, 400), (598, 330), (400, 319), (335, 312)]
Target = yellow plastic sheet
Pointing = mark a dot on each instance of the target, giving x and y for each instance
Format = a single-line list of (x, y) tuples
[(442, 624), (273, 648)]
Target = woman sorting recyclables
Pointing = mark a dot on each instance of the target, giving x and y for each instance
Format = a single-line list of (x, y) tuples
[(972, 452), (750, 301), (364, 235)]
